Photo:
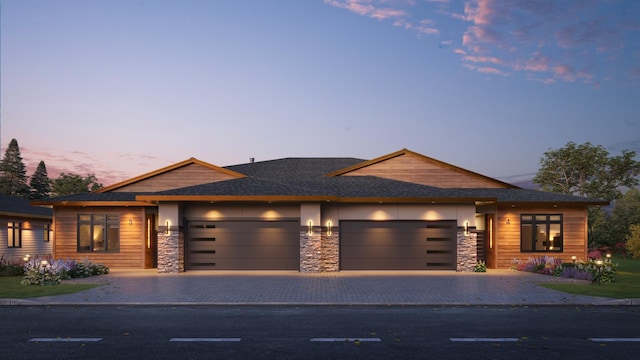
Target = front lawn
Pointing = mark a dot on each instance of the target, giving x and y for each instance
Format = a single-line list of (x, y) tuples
[(10, 288), (626, 286)]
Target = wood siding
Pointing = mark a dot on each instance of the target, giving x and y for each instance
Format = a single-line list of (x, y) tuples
[(132, 240), (574, 222), (420, 170), (33, 243), (188, 175)]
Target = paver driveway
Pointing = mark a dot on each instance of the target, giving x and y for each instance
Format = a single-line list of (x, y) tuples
[(504, 287)]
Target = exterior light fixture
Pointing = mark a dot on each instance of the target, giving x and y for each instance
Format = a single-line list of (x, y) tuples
[(466, 228), (130, 222), (44, 263), (573, 259), (310, 227), (167, 230), (508, 221), (608, 257), (329, 227)]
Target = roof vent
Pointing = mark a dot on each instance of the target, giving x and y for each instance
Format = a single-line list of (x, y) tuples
[(252, 160)]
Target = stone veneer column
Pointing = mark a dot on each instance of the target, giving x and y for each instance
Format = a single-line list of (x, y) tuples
[(310, 251), (467, 251), (170, 251), (330, 252)]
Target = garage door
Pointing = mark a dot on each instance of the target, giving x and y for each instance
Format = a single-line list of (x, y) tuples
[(243, 245), (398, 245)]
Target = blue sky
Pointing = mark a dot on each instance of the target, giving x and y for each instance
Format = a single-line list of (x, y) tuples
[(120, 88)]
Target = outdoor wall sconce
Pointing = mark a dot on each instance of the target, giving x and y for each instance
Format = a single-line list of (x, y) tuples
[(328, 227), (466, 228), (310, 227), (167, 230), (130, 222), (508, 222)]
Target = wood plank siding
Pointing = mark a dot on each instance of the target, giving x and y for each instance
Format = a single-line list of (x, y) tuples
[(132, 243), (420, 170), (507, 237), (188, 175)]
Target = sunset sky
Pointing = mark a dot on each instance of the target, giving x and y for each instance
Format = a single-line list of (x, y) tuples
[(120, 88)]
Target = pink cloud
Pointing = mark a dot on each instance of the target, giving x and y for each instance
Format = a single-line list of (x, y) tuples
[(366, 8)]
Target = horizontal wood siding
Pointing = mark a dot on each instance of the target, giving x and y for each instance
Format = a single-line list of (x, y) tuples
[(32, 238), (188, 175), (508, 235), (131, 253), (418, 170)]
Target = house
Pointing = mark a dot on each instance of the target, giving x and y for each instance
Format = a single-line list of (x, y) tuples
[(401, 211), (24, 229)]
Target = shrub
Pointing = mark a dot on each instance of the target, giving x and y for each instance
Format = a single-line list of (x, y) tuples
[(39, 271), (480, 266), (633, 241), (12, 267)]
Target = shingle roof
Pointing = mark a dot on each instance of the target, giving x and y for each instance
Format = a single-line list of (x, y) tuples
[(306, 177), (15, 205)]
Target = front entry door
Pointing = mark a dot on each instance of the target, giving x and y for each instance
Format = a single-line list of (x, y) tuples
[(150, 242)]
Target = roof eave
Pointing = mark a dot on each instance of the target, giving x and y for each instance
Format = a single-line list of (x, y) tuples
[(94, 203)]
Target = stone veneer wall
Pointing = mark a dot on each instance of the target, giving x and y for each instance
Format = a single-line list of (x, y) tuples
[(319, 252), (467, 251), (171, 251), (310, 251), (330, 261)]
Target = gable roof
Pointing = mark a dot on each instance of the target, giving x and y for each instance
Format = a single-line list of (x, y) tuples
[(168, 169), (315, 179), (16, 206), (446, 170)]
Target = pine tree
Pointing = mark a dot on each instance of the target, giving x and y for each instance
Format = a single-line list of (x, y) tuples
[(40, 183), (13, 175)]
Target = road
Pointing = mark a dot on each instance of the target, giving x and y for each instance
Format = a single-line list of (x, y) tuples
[(320, 332)]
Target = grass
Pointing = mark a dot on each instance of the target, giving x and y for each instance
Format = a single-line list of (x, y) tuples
[(626, 286), (10, 288)]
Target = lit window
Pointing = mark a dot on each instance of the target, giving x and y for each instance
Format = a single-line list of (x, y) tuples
[(47, 232), (541, 233), (98, 233), (14, 234)]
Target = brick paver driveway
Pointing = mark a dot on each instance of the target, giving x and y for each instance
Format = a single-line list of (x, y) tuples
[(504, 287)]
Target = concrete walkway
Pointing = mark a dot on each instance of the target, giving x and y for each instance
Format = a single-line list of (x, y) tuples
[(496, 287)]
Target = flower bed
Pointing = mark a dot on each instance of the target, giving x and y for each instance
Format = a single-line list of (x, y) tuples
[(597, 271), (39, 271)]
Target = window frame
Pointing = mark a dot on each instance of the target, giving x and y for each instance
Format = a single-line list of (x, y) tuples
[(48, 231), (551, 245), (14, 234), (98, 243)]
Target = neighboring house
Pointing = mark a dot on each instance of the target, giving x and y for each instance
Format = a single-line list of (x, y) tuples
[(402, 211), (24, 229)]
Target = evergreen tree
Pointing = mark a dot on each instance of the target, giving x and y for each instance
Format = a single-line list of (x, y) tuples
[(40, 183), (13, 175)]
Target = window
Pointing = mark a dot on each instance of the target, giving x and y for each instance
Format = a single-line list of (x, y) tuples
[(47, 232), (98, 233), (14, 234), (541, 233)]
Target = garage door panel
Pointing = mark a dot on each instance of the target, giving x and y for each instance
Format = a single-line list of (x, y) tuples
[(398, 245), (243, 245)]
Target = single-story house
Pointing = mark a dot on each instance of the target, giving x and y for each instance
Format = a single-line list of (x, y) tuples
[(24, 229), (401, 211)]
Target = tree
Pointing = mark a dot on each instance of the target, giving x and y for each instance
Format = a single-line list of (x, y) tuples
[(626, 212), (13, 176), (70, 184), (633, 241), (587, 170), (40, 183)]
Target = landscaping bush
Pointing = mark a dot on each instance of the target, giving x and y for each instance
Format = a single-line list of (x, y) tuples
[(633, 241), (39, 271), (11, 267), (595, 271), (480, 266)]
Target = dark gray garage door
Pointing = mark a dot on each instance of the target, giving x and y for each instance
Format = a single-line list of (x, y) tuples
[(398, 245), (243, 245)]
